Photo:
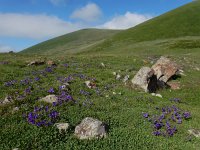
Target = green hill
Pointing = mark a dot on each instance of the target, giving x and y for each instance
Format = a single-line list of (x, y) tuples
[(72, 42), (183, 22), (167, 32)]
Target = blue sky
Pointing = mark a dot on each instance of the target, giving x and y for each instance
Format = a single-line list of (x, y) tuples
[(24, 23)]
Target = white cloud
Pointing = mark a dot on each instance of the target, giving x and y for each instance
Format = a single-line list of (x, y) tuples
[(125, 21), (90, 12), (34, 26), (4, 48), (58, 2)]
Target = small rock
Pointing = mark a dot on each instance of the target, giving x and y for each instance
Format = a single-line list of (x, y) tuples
[(174, 85), (194, 132), (157, 95), (36, 63), (118, 76), (114, 93), (15, 149), (51, 63), (90, 84), (126, 78), (62, 127), (90, 128), (15, 109), (114, 73), (103, 65), (7, 100), (49, 99)]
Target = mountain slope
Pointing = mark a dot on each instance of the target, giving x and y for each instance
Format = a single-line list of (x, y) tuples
[(72, 42), (181, 22)]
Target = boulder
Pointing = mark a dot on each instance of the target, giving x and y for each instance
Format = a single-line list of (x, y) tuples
[(142, 78), (49, 99), (90, 128), (164, 69)]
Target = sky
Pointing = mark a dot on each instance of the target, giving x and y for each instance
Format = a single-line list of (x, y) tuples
[(24, 23)]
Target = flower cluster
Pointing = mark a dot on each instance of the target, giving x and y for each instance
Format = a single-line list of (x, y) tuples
[(165, 123), (42, 116)]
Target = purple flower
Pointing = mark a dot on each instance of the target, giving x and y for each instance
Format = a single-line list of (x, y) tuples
[(186, 115), (53, 114), (158, 125), (51, 90), (156, 133), (179, 121), (145, 115)]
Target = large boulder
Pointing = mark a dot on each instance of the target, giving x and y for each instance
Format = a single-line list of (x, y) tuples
[(164, 69), (142, 78), (90, 128), (49, 99)]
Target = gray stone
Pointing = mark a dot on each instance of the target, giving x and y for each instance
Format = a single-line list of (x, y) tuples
[(194, 132), (141, 79), (62, 127), (164, 69), (36, 63), (49, 99), (126, 78), (90, 128), (7, 100)]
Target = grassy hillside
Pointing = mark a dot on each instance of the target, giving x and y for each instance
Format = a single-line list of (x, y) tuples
[(181, 22), (128, 129), (72, 42)]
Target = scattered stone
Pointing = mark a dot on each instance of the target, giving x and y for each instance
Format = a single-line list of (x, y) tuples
[(90, 84), (7, 100), (114, 73), (90, 128), (118, 77), (197, 68), (15, 109), (36, 63), (194, 132), (49, 99), (62, 127), (103, 65), (164, 69), (174, 85), (51, 63), (141, 79), (126, 78), (157, 95)]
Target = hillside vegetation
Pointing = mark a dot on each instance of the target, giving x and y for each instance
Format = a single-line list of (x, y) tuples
[(71, 43)]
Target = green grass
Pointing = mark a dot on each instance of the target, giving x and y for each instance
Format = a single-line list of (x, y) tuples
[(174, 34), (127, 128), (72, 42)]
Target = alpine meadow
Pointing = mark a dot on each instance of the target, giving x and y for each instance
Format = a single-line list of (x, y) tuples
[(108, 89)]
